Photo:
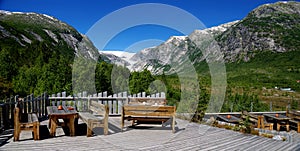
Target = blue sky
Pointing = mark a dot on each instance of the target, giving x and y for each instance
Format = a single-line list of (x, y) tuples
[(82, 15)]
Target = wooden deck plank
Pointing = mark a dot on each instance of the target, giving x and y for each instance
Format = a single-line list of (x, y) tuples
[(190, 136)]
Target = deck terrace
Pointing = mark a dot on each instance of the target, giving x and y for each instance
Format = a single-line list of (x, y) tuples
[(189, 136)]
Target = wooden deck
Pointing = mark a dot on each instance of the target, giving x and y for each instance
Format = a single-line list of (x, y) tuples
[(189, 136)]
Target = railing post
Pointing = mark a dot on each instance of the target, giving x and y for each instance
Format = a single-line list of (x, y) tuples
[(114, 104), (1, 105), (35, 104), (25, 105), (105, 96), (47, 102), (5, 113), (43, 104), (63, 94), (85, 102), (119, 104), (32, 103), (58, 100), (29, 103), (39, 102), (12, 106)]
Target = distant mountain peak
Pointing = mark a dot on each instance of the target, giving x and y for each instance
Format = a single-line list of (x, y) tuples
[(179, 38), (270, 27), (281, 7)]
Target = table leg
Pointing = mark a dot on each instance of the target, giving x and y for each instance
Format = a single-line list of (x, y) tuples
[(53, 126), (278, 127), (72, 127)]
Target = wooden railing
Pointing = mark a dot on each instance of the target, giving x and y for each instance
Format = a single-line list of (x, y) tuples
[(79, 101), (114, 102), (28, 103)]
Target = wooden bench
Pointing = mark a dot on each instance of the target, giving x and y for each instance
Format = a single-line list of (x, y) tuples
[(257, 120), (26, 122), (96, 116), (148, 113), (295, 119)]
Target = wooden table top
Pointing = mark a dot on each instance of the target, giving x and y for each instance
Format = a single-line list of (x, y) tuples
[(280, 117), (232, 118), (53, 110)]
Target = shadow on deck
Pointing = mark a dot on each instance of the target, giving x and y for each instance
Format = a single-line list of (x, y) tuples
[(188, 136)]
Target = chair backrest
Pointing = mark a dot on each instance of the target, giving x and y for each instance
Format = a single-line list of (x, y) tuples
[(150, 101), (98, 108)]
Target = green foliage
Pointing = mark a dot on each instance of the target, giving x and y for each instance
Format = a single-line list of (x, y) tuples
[(295, 105), (266, 69), (140, 82), (242, 102), (120, 79), (103, 78), (245, 125)]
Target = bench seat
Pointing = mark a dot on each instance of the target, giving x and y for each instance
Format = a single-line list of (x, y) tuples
[(96, 116)]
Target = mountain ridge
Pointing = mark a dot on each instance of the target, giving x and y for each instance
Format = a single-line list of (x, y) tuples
[(36, 50), (270, 27)]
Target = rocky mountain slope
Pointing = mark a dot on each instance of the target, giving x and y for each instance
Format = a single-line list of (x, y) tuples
[(177, 50), (37, 51), (27, 28), (270, 27)]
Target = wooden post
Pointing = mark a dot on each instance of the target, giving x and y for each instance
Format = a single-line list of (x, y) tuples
[(143, 94), (114, 104), (85, 102), (43, 103), (16, 125), (47, 102), (157, 95), (53, 101), (110, 105), (58, 100), (79, 102), (105, 95), (63, 94), (12, 106), (100, 95), (163, 94), (119, 104), (1, 105), (260, 123), (39, 100), (25, 103), (5, 114), (29, 104), (33, 103)]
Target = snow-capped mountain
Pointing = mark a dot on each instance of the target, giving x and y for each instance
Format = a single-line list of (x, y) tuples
[(271, 27), (176, 51)]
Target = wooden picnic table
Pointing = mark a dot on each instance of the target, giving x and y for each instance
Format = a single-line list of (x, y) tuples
[(68, 114), (279, 120), (229, 118)]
